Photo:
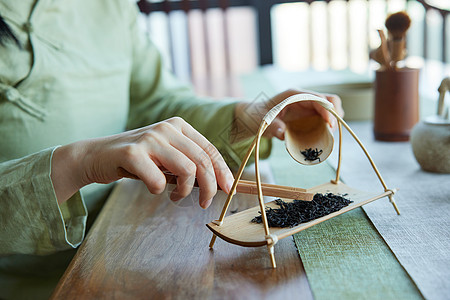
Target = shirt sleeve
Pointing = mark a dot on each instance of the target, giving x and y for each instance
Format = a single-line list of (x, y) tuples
[(31, 220), (155, 95)]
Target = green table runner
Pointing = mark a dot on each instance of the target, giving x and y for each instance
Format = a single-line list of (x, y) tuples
[(344, 257)]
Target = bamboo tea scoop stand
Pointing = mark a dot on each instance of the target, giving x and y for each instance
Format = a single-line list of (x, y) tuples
[(238, 229)]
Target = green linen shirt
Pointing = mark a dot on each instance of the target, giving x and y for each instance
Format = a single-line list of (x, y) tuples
[(86, 69)]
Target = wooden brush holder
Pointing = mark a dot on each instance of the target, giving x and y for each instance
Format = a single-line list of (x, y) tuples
[(396, 103)]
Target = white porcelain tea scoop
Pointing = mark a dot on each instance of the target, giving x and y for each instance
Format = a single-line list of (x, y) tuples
[(309, 140)]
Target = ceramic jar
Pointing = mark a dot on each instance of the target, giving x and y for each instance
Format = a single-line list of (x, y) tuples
[(430, 139)]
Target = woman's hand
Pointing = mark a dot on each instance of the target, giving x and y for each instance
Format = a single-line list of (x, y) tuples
[(248, 116), (171, 145)]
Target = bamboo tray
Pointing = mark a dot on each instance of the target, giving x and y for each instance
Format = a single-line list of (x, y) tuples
[(238, 228)]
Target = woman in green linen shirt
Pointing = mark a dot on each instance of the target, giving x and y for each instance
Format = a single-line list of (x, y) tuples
[(82, 74)]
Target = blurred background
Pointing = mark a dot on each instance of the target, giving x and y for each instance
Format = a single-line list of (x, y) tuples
[(215, 43)]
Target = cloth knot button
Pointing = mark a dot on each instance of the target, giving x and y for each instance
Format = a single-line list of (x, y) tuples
[(11, 94), (28, 27)]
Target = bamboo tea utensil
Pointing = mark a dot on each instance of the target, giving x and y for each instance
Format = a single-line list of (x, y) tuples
[(392, 48), (312, 133), (250, 187), (238, 228), (385, 57), (397, 24), (377, 55)]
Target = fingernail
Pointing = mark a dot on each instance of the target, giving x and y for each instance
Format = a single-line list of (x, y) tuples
[(333, 123), (206, 204), (174, 195), (279, 134), (229, 186)]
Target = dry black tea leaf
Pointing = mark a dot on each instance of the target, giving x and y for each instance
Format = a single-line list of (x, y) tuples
[(291, 214), (311, 154)]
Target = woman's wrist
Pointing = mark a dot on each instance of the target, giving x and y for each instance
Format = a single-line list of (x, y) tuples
[(67, 171)]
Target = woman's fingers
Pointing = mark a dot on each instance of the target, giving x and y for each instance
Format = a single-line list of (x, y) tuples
[(337, 103), (206, 156), (179, 148), (142, 153), (136, 163), (295, 110), (289, 113), (179, 164), (325, 114), (276, 129)]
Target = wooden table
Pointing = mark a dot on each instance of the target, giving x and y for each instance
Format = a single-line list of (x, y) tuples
[(143, 246)]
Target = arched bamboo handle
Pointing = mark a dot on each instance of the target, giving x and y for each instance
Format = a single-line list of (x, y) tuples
[(308, 132), (273, 113)]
